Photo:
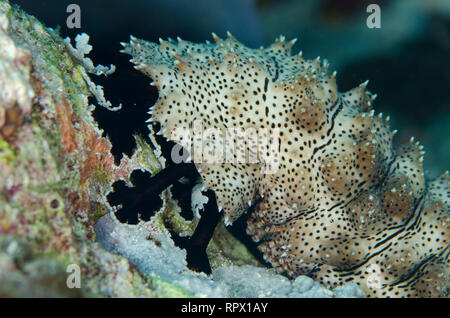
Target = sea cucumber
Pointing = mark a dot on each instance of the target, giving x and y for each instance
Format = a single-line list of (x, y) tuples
[(342, 204)]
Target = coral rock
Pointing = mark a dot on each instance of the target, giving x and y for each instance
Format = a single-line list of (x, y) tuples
[(334, 199), (56, 170)]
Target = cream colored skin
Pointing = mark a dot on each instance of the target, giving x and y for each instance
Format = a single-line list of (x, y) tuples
[(343, 204)]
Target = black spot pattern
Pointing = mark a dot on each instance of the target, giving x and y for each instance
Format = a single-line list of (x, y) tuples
[(343, 205)]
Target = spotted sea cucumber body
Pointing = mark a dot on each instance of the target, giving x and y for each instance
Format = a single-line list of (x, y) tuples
[(343, 204)]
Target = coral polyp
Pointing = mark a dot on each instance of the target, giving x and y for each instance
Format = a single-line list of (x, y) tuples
[(339, 202)]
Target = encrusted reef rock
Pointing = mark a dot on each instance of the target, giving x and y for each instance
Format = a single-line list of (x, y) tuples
[(334, 199), (56, 169)]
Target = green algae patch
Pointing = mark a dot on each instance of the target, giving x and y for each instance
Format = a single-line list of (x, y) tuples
[(167, 290), (7, 154)]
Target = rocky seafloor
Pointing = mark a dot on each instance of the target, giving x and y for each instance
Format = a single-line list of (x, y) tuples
[(56, 171)]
